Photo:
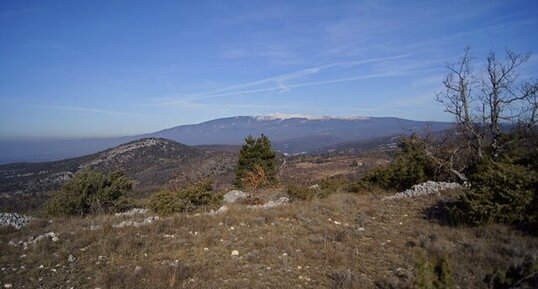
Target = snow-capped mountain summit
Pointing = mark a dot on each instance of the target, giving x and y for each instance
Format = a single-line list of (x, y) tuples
[(290, 133), (284, 116)]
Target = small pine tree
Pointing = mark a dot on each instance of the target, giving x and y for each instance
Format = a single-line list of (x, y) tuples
[(256, 158)]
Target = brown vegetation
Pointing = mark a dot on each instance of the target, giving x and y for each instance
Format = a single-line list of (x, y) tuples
[(342, 241)]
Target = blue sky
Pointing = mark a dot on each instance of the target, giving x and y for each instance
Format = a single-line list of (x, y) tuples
[(109, 68)]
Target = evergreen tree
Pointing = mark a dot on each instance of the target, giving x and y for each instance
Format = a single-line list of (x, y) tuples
[(256, 159)]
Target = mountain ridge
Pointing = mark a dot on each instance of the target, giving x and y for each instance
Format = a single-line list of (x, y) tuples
[(290, 133)]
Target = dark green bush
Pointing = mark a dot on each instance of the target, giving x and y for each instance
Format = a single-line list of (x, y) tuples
[(90, 192), (184, 200), (412, 166), (500, 192)]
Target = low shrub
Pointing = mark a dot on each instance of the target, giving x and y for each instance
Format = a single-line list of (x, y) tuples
[(326, 187), (378, 178), (523, 276), (187, 199), (333, 184), (500, 192), (303, 193), (434, 273), (412, 166), (90, 192)]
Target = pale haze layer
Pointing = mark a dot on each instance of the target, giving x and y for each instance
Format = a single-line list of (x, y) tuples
[(114, 68)]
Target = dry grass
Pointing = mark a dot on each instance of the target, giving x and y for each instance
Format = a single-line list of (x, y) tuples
[(310, 169), (314, 244)]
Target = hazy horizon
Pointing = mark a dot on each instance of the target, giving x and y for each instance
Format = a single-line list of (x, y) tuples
[(112, 68), (268, 116)]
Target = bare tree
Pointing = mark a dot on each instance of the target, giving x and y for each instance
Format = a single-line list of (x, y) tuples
[(532, 113), (482, 103), (503, 93), (458, 98)]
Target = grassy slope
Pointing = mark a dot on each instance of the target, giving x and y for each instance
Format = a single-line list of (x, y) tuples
[(319, 253)]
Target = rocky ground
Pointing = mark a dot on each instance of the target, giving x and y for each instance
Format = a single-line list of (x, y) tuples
[(13, 220), (343, 241), (424, 189)]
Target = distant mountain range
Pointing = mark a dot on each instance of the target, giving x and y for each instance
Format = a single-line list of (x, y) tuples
[(290, 134)]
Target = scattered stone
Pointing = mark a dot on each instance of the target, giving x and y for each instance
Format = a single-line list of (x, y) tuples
[(8, 285), (272, 204), (234, 196), (221, 210), (71, 258), (427, 188), (146, 221), (14, 220), (138, 269), (33, 240), (235, 253), (132, 212), (95, 227)]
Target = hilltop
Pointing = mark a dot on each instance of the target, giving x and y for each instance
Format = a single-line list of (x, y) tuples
[(151, 162)]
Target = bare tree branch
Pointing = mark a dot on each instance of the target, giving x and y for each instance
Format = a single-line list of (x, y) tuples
[(499, 95)]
